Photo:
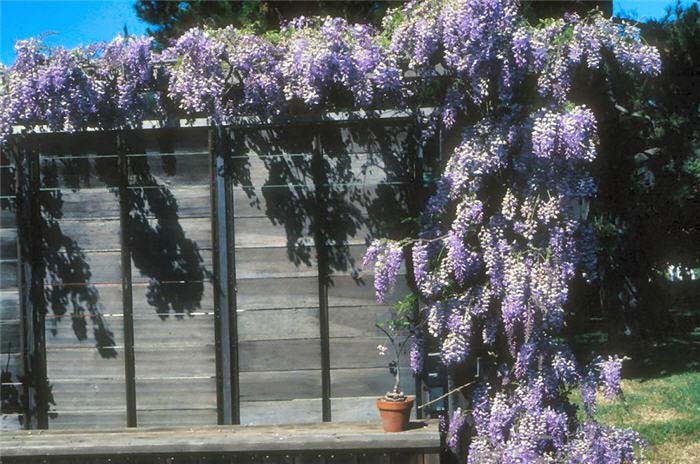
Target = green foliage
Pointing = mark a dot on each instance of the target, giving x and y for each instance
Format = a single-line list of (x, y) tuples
[(647, 214), (172, 19), (391, 21), (404, 313)]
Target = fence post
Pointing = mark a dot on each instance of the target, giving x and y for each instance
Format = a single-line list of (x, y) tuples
[(320, 181), (224, 266), (127, 297), (31, 285)]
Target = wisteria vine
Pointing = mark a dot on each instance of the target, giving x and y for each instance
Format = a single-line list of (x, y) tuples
[(503, 234)]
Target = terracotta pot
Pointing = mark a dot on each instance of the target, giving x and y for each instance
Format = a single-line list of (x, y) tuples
[(395, 414)]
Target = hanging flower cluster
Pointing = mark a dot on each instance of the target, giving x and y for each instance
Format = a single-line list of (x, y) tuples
[(328, 54), (102, 85), (220, 73), (504, 232)]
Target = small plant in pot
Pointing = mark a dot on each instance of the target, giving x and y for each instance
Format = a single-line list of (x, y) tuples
[(395, 407)]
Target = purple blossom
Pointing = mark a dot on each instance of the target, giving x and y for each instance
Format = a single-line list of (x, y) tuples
[(454, 429), (420, 262), (578, 134), (197, 81), (436, 318), (470, 213), (417, 354), (417, 38), (598, 444), (456, 344), (332, 54), (387, 257), (610, 370), (588, 390), (517, 252), (460, 259), (454, 349)]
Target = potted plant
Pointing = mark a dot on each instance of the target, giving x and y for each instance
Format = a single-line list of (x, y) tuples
[(395, 407)]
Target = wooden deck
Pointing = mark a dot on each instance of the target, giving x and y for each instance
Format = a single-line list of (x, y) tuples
[(306, 443)]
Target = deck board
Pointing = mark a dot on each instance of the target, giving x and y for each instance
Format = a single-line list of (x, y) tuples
[(422, 437)]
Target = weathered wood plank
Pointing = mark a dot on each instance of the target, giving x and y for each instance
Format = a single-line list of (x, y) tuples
[(278, 355), (184, 393), (151, 330), (100, 202), (275, 324), (10, 422), (346, 383), (110, 301), (303, 292), (279, 293), (357, 321), (297, 411), (271, 262), (370, 382), (8, 243), (285, 170), (347, 292), (8, 274), (182, 170), (105, 268), (260, 232), (173, 362), (358, 352), (9, 323), (103, 234), (90, 395), (94, 420), (304, 323), (9, 305), (169, 417), (8, 218), (178, 359), (328, 437), (95, 171), (280, 385)]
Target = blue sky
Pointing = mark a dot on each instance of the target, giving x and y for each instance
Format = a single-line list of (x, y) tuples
[(642, 10), (75, 22), (80, 22)]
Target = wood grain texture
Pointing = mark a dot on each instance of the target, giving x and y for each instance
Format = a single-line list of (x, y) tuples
[(277, 281), (222, 439)]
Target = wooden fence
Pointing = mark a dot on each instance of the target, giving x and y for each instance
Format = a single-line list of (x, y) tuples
[(244, 299)]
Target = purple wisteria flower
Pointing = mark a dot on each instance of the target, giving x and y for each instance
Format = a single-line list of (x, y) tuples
[(387, 257), (610, 375), (455, 429), (420, 262), (197, 80), (505, 231), (417, 354)]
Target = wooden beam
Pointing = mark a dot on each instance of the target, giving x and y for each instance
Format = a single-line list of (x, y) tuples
[(362, 437)]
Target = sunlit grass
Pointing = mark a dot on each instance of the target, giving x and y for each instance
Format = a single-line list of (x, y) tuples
[(665, 411)]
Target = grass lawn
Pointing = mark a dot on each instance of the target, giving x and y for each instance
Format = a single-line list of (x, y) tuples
[(665, 411), (661, 395)]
